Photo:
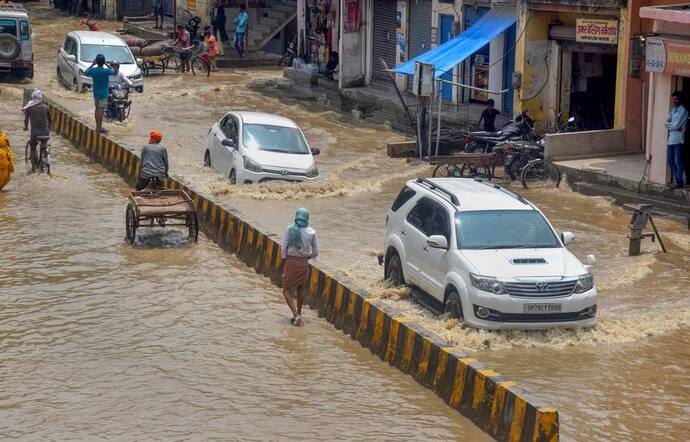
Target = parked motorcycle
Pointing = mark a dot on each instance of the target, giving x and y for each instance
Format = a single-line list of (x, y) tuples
[(521, 128), (119, 104), (566, 126)]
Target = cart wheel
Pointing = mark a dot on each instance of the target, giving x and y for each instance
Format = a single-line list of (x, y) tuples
[(539, 172), (448, 170), (193, 224), (131, 224)]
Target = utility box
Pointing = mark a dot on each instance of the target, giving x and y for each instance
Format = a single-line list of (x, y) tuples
[(423, 81)]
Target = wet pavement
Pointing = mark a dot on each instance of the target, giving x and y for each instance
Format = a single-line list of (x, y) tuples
[(624, 380), (169, 340)]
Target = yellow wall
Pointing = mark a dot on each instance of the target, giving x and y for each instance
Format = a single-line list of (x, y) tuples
[(532, 75)]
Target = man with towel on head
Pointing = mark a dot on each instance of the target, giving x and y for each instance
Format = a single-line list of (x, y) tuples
[(154, 161), (299, 244)]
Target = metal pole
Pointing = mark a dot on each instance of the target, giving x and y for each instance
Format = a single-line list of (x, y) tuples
[(438, 125), (430, 119), (402, 100), (656, 232)]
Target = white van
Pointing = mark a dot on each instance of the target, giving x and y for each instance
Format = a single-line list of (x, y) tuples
[(16, 53)]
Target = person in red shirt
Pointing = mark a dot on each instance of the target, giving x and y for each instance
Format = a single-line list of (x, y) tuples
[(184, 43)]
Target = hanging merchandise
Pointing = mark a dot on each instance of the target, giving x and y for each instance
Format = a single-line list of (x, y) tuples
[(352, 16)]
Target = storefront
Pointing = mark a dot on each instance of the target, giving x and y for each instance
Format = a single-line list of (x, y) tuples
[(568, 62), (418, 29), (384, 39), (667, 59), (318, 23)]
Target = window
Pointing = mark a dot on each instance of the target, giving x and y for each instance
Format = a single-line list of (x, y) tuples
[(440, 225), (229, 128), (120, 54), (504, 229), (70, 47), (274, 138), (421, 215), (404, 196), (8, 26), (24, 33)]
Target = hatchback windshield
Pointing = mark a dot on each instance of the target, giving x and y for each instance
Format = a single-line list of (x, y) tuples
[(119, 54), (504, 229), (274, 138)]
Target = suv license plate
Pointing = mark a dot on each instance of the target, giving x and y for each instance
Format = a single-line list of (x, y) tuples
[(542, 308), (5, 64)]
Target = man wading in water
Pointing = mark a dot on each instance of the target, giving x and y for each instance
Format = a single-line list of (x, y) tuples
[(298, 246)]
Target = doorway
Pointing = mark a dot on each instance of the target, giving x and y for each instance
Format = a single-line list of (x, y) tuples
[(593, 89), (446, 35)]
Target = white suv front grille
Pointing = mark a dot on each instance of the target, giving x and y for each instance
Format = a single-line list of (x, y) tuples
[(540, 288)]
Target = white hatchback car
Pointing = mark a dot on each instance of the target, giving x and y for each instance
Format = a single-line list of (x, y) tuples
[(80, 49), (253, 147), (487, 256)]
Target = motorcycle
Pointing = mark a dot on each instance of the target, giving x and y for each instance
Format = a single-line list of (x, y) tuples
[(193, 29), (566, 126), (119, 104), (522, 128), (41, 153)]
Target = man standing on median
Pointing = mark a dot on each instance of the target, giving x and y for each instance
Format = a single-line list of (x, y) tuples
[(101, 78), (299, 244), (676, 124)]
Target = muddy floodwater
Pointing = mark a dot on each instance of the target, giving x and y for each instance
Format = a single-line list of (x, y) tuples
[(170, 340), (627, 379)]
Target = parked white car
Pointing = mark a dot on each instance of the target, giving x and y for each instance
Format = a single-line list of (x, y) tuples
[(16, 53), (80, 49), (253, 147), (487, 256)]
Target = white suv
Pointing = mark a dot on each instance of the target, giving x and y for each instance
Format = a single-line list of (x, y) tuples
[(16, 54), (486, 255)]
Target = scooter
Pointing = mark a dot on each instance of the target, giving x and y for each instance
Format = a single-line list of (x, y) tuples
[(119, 104), (522, 128)]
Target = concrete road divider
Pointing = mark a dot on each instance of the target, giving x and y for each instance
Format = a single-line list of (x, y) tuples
[(498, 406)]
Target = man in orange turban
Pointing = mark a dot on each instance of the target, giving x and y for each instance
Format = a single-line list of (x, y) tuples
[(154, 161)]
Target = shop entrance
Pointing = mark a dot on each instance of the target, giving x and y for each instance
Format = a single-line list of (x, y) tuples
[(682, 84), (593, 86)]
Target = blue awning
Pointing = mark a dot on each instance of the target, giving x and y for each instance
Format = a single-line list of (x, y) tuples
[(446, 56)]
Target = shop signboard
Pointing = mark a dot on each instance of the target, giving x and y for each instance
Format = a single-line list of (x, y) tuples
[(596, 31), (191, 5), (655, 55), (677, 59)]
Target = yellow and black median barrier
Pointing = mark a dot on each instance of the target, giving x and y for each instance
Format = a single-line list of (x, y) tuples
[(498, 406)]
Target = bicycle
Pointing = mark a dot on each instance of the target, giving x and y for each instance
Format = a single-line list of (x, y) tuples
[(41, 153), (290, 54)]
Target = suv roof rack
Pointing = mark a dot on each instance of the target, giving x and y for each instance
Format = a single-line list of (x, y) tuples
[(504, 190), (13, 6), (453, 198)]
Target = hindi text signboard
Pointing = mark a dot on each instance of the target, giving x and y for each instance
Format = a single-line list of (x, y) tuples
[(596, 31)]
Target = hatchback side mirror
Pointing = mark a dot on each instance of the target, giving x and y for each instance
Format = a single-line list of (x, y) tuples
[(315, 151), (567, 238), (228, 143), (72, 58), (437, 242), (140, 62)]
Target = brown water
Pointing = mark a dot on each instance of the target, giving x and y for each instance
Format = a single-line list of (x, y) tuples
[(170, 340), (625, 380)]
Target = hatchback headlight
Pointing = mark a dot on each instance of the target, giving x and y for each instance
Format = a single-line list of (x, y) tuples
[(251, 165), (136, 77), (584, 283), (313, 172), (488, 284)]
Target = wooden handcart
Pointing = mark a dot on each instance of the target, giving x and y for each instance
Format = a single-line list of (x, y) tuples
[(163, 208), (465, 164)]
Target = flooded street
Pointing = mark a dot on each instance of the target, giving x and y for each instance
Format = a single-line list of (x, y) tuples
[(107, 336), (170, 340)]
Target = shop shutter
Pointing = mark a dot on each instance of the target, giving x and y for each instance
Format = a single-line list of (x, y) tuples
[(384, 45), (508, 68), (419, 29)]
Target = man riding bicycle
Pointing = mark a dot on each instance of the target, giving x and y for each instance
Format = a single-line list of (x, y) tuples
[(37, 112), (154, 162)]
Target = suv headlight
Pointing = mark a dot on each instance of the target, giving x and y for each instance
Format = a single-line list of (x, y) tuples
[(584, 283), (488, 284), (251, 165), (313, 172)]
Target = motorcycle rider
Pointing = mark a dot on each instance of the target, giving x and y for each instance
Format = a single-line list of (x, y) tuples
[(117, 79), (38, 113)]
